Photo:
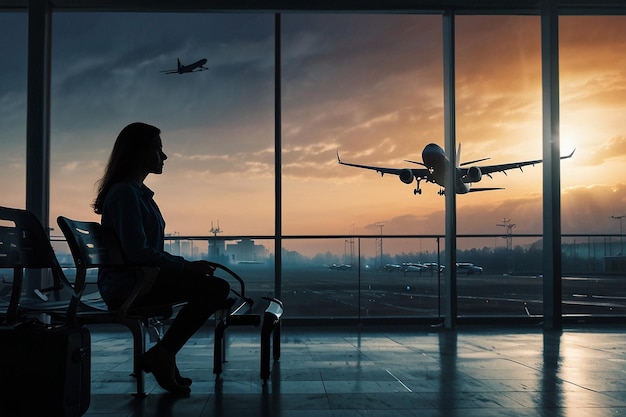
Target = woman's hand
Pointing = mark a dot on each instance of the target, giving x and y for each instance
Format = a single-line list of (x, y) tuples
[(199, 267)]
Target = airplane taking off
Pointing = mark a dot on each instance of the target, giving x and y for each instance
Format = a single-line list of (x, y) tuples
[(435, 163), (182, 69)]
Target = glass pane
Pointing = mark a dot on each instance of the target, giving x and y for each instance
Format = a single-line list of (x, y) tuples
[(354, 279), (217, 125), (486, 287), (592, 53), (498, 103), (368, 89), (252, 259)]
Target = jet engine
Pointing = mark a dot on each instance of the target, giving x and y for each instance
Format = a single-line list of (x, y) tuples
[(474, 174), (406, 176)]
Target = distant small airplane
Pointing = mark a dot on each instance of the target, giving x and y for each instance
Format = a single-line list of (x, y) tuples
[(435, 163), (182, 69)]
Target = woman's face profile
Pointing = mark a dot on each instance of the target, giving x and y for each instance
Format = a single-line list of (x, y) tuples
[(155, 157)]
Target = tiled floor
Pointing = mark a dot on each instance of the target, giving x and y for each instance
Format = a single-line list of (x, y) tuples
[(471, 372)]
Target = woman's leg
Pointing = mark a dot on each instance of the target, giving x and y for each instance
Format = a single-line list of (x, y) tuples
[(206, 300), (203, 296)]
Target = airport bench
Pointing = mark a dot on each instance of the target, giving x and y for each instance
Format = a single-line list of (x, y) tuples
[(241, 317)]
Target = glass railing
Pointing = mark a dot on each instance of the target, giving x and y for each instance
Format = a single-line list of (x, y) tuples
[(387, 277)]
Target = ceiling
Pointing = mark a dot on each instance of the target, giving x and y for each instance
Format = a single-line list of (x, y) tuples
[(566, 7)]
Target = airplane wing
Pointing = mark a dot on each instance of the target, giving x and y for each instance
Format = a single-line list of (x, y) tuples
[(184, 70), (477, 189), (421, 173), (489, 169)]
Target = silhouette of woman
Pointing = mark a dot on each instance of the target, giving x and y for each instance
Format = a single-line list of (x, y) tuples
[(127, 207)]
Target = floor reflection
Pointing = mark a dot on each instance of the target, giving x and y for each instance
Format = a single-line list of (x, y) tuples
[(380, 372), (551, 386)]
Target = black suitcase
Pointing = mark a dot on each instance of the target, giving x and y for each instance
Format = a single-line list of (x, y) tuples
[(44, 370)]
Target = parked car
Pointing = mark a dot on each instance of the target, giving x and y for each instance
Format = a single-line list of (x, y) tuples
[(413, 267), (433, 267), (393, 267), (468, 268), (340, 267)]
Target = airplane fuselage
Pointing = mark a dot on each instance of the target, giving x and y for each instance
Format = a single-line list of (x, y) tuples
[(191, 67), (435, 159), (184, 69)]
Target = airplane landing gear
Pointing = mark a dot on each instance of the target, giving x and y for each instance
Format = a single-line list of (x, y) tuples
[(417, 190)]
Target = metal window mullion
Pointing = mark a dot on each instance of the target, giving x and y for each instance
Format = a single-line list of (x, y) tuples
[(552, 309), (450, 287)]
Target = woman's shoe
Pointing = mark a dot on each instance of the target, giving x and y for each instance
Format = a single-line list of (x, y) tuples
[(163, 366), (181, 380)]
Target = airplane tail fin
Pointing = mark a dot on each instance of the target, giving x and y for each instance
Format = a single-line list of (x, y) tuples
[(178, 62), (458, 159)]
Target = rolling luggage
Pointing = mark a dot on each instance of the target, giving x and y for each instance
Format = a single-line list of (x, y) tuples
[(44, 370)]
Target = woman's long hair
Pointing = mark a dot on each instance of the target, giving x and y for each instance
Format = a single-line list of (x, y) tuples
[(126, 158)]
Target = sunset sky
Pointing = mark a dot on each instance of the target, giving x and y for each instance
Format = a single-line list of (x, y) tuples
[(367, 86)]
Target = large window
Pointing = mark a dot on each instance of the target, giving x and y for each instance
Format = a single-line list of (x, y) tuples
[(368, 89), (593, 104), (217, 124), (498, 102)]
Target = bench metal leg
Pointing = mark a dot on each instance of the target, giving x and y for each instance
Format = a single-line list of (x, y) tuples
[(270, 322), (138, 330), (219, 347)]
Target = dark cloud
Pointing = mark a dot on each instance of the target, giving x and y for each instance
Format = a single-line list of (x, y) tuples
[(110, 75)]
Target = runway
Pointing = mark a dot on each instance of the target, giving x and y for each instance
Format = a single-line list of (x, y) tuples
[(317, 291)]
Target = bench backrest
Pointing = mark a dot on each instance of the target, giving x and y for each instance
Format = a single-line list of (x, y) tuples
[(24, 245), (91, 244), (23, 241)]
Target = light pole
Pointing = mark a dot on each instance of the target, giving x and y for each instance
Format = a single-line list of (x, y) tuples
[(506, 223), (621, 236), (214, 252), (380, 244)]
